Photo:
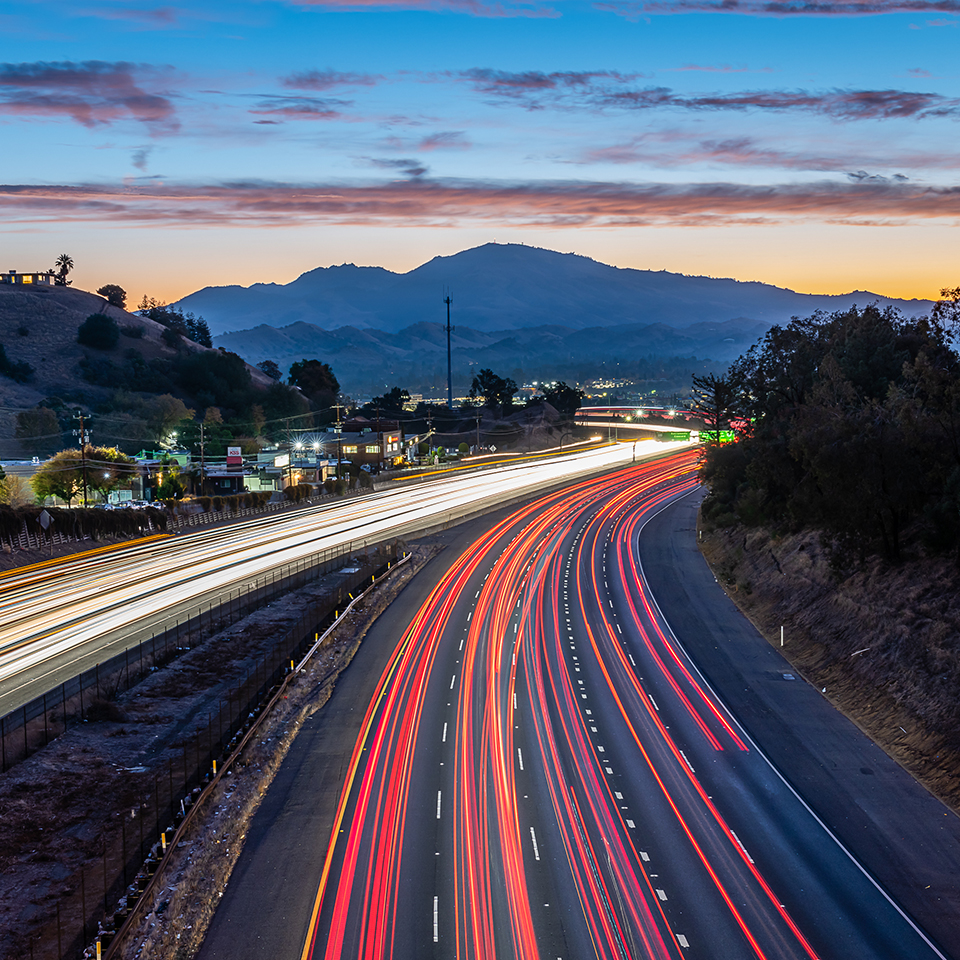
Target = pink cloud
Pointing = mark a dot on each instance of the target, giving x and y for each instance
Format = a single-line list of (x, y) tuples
[(90, 93), (474, 8), (445, 140), (431, 203), (300, 108), (328, 79), (634, 9), (606, 89)]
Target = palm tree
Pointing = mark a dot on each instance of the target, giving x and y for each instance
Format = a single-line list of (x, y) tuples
[(65, 265)]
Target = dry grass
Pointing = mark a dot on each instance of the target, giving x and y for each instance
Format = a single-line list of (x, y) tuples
[(884, 641)]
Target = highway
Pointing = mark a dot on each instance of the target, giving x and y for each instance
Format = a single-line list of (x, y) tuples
[(60, 618), (539, 770)]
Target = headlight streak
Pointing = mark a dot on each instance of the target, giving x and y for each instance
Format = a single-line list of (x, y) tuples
[(61, 611)]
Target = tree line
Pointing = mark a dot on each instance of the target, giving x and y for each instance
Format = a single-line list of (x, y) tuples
[(847, 423)]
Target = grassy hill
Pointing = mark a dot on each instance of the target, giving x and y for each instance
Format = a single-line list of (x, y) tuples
[(38, 331)]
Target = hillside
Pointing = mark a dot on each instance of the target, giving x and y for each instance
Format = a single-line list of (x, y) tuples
[(367, 361), (506, 287), (38, 326)]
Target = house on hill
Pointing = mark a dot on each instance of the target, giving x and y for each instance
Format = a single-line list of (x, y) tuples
[(42, 276)]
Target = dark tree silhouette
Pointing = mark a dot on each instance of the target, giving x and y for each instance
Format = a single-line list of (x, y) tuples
[(115, 295)]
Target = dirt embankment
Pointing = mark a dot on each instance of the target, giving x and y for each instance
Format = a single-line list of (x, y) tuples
[(58, 807), (884, 641)]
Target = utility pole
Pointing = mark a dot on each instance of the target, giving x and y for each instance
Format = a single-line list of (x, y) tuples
[(83, 453), (201, 458), (339, 443), (448, 300)]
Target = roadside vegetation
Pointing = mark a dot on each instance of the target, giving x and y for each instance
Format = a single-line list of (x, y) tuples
[(835, 516)]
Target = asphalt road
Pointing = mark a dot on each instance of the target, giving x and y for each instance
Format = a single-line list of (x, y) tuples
[(59, 619), (522, 762)]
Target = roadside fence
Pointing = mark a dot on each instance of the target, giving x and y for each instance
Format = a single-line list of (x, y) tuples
[(108, 886)]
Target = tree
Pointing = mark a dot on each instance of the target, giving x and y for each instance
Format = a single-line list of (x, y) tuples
[(497, 392), (565, 400), (115, 295), (61, 268), (270, 369), (715, 399), (184, 324), (38, 431), (16, 492), (61, 476), (98, 331), (164, 415), (316, 381), (107, 469)]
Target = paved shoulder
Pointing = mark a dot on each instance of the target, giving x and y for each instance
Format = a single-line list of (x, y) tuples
[(907, 839)]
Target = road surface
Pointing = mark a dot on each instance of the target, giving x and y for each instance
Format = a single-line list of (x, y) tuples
[(539, 770)]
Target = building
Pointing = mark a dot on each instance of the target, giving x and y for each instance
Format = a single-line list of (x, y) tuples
[(42, 276)]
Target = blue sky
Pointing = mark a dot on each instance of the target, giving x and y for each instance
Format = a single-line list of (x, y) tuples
[(165, 147)]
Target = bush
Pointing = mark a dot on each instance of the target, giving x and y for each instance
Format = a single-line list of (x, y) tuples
[(17, 370), (329, 485), (129, 330), (464, 448), (366, 481), (98, 331)]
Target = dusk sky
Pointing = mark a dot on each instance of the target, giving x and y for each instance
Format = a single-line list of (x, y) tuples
[(814, 145)]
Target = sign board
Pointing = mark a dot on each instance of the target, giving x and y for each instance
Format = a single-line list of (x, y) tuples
[(234, 457), (45, 519), (282, 461)]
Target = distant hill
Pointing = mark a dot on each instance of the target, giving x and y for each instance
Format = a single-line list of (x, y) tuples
[(504, 287), (369, 361)]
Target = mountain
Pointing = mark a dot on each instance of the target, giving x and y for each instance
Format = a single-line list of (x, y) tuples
[(504, 287)]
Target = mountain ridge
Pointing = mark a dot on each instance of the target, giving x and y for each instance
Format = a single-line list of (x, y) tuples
[(510, 286)]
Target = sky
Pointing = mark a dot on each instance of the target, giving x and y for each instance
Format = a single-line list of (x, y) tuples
[(813, 144)]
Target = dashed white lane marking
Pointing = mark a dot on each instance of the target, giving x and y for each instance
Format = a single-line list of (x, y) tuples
[(742, 847), (453, 681), (436, 920), (654, 702), (536, 849), (617, 625), (690, 765), (514, 699), (439, 796), (634, 662), (519, 758), (443, 739)]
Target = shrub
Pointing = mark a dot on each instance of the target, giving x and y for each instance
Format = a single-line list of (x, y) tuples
[(98, 331), (329, 485), (464, 448), (129, 330)]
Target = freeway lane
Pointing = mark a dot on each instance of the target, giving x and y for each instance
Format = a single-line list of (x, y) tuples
[(57, 620), (540, 771)]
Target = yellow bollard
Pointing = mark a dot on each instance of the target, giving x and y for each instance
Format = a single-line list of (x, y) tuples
[(98, 950), (163, 841), (214, 767)]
